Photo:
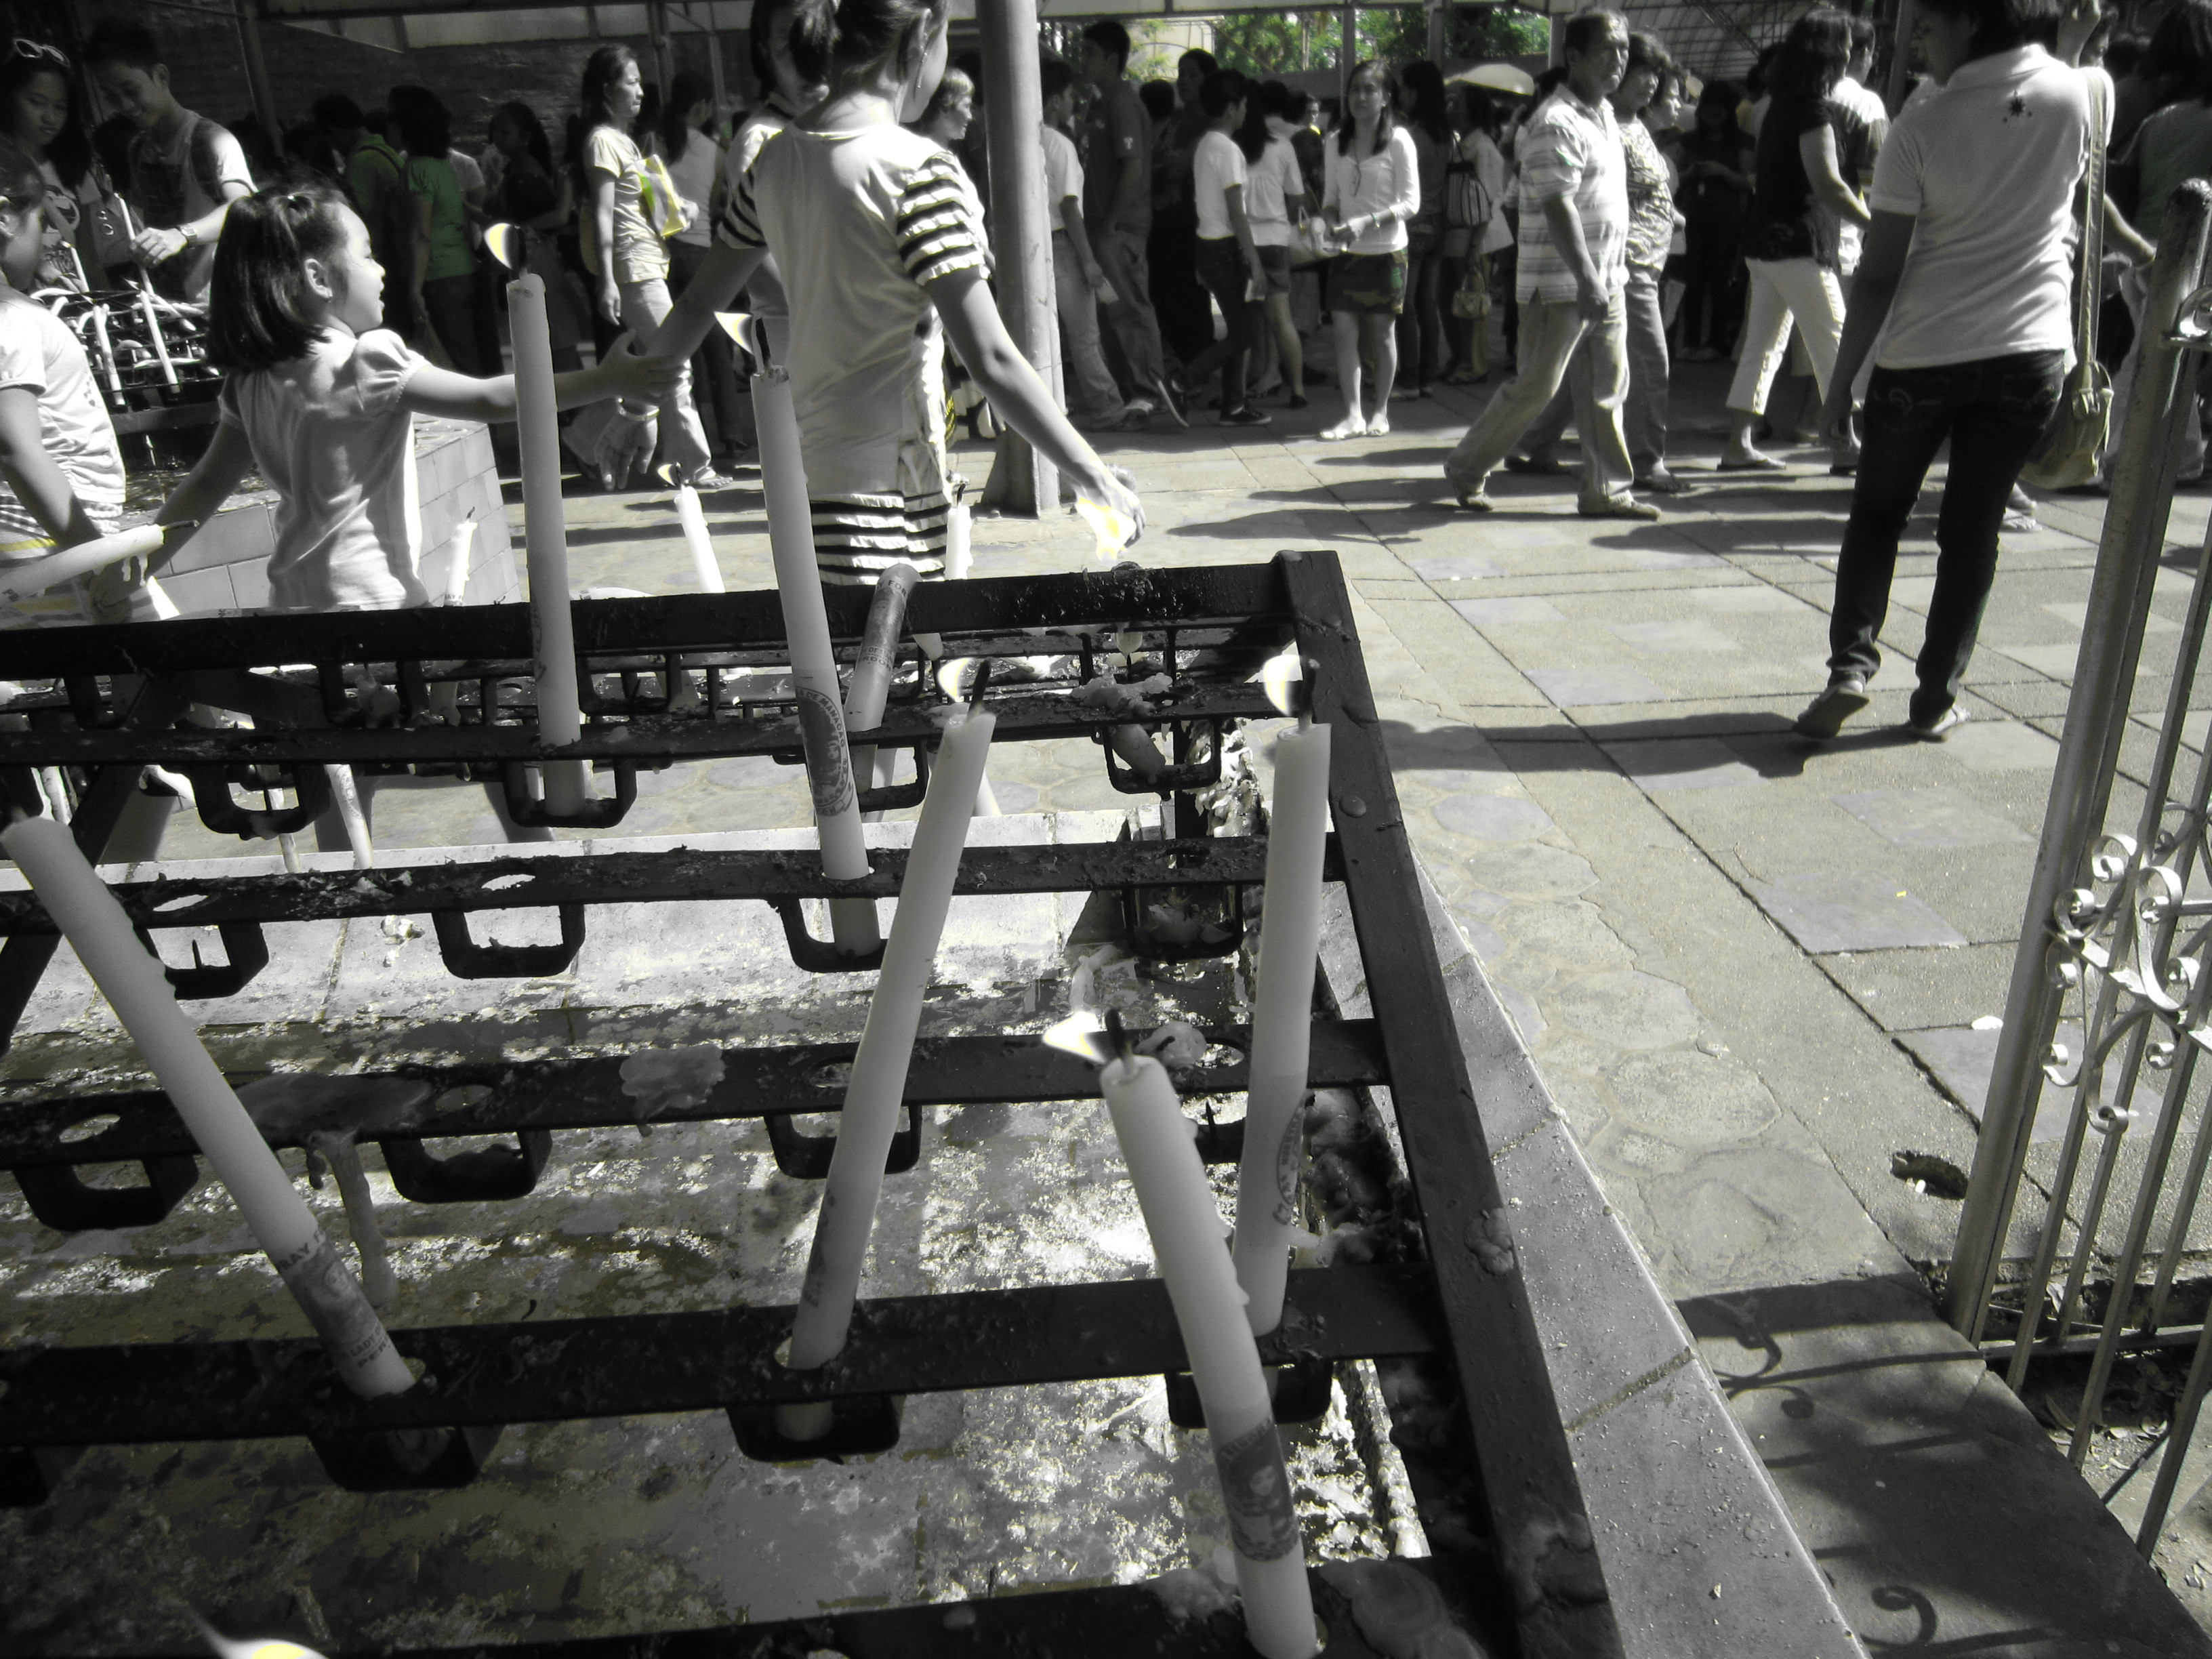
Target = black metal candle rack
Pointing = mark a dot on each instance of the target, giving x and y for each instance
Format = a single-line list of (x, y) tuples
[(447, 692)]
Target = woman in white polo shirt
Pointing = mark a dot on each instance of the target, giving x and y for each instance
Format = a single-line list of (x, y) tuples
[(1968, 263)]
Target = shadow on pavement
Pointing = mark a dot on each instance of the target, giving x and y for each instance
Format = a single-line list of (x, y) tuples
[(1935, 1501)]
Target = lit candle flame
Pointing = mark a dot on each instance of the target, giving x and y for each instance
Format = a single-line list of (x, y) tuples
[(670, 474), (738, 325), (1279, 675), (505, 242), (1082, 1033), (226, 1648)]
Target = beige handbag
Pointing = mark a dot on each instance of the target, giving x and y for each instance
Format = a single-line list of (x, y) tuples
[(2068, 452)]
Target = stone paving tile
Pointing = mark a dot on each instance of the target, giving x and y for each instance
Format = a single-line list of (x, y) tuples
[(1911, 990), (1929, 817), (1685, 764), (1583, 688), (1851, 910)]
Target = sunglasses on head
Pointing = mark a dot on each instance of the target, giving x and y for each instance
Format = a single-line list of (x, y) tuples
[(23, 48)]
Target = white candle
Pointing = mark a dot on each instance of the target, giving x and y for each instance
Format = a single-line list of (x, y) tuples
[(347, 797), (706, 571), (959, 553), (458, 553), (22, 582), (1282, 1022), (876, 1088), (1159, 1145), (877, 660), (133, 982), (813, 666), (545, 537)]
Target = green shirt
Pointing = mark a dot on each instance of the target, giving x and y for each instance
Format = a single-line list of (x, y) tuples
[(431, 180)]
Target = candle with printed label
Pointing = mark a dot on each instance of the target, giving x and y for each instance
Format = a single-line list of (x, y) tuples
[(813, 667), (1282, 1013), (545, 540), (1160, 1144), (875, 664), (134, 984), (876, 1088)]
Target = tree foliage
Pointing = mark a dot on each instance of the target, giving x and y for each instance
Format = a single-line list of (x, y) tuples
[(1275, 42)]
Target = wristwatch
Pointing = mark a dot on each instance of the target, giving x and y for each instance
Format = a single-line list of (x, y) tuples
[(191, 234)]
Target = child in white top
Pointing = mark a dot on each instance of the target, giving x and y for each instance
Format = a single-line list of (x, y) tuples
[(881, 259), (1373, 187), (321, 401), (61, 475)]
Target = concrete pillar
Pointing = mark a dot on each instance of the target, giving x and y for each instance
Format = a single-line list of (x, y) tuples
[(1439, 18), (1348, 56), (257, 73), (1021, 481), (1900, 55)]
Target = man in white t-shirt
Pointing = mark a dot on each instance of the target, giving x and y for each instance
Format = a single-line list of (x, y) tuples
[(1967, 282), (1095, 403), (1854, 95)]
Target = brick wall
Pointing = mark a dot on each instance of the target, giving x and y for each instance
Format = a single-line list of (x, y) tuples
[(207, 66)]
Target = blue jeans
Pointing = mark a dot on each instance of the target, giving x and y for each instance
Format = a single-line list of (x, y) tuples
[(1991, 411)]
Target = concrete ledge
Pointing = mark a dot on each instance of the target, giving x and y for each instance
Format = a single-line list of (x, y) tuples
[(1699, 1554)]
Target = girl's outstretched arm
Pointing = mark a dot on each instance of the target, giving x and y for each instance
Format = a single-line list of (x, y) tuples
[(447, 396), (971, 318), (228, 457)]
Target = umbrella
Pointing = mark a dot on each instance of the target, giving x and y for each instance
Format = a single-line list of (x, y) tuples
[(1499, 78)]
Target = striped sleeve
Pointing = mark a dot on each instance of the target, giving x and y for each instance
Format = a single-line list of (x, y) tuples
[(1551, 161), (741, 224), (936, 237)]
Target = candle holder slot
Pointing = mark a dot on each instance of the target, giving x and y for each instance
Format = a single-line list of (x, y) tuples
[(58, 1196), (806, 1157), (405, 1459), (484, 1175), (467, 959), (1219, 935), (31, 1474), (816, 956), (220, 810), (897, 797), (243, 942), (861, 1426), (599, 812), (1303, 1389), (1178, 777)]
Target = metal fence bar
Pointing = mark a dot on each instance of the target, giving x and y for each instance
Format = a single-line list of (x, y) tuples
[(2081, 786)]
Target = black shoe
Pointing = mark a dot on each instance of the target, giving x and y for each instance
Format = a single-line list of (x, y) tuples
[(1247, 416), (1825, 716), (1295, 400)]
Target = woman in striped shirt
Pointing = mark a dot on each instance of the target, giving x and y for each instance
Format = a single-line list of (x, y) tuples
[(881, 257)]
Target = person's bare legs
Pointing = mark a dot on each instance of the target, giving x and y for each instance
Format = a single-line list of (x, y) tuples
[(1383, 346), (1289, 352), (1354, 424)]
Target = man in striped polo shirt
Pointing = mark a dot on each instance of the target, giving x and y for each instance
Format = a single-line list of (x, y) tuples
[(1573, 272)]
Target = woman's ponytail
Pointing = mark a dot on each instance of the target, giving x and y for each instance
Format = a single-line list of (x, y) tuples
[(832, 37), (814, 40)]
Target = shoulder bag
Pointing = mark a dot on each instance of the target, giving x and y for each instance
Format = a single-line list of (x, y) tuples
[(2067, 454)]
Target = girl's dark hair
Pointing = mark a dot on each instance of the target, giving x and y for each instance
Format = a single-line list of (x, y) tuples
[(1251, 134), (71, 151), (757, 34), (1547, 83), (831, 36), (1158, 99), (424, 127), (1431, 111), (533, 133), (2002, 25), (256, 314), (2181, 47), (1387, 124), (1205, 62), (22, 187), (1219, 91), (1481, 109), (1644, 52), (1813, 55), (1282, 102), (1722, 95), (601, 70), (687, 89)]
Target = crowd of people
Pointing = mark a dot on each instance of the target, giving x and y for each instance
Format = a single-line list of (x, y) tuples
[(1204, 233)]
